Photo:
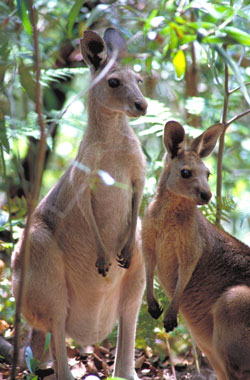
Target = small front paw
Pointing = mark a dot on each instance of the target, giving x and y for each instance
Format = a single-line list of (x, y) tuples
[(103, 266), (155, 310), (124, 259), (170, 321)]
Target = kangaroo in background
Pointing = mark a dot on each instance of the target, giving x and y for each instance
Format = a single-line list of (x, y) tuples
[(83, 226), (204, 271)]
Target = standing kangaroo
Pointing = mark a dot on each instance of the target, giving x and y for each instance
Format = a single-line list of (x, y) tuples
[(83, 226), (204, 271)]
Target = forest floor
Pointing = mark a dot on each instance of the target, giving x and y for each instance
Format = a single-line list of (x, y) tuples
[(98, 363)]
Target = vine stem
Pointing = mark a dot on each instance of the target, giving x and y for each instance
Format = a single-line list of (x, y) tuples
[(32, 196)]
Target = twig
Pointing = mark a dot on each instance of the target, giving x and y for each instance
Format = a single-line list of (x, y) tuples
[(33, 195), (170, 357), (221, 148), (237, 117), (238, 88), (196, 355), (7, 193), (226, 124)]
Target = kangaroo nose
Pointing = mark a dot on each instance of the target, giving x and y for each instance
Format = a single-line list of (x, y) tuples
[(205, 196), (141, 106)]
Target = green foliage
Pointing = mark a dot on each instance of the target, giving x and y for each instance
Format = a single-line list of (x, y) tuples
[(31, 362), (227, 205), (168, 42), (7, 302)]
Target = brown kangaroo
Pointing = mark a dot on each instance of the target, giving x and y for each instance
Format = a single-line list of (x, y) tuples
[(204, 271), (83, 226)]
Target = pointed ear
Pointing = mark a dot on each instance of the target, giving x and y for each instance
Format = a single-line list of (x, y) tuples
[(174, 135), (115, 42), (93, 49), (204, 144)]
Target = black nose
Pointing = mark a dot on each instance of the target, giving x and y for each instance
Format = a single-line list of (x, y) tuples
[(141, 106), (205, 196)]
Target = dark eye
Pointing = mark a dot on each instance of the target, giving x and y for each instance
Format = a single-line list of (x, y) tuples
[(208, 175), (113, 82), (185, 173)]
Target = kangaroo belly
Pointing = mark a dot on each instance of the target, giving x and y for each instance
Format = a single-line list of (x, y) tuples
[(91, 317)]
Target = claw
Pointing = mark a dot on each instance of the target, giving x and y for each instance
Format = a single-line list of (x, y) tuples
[(170, 324), (102, 267), (155, 310), (122, 262)]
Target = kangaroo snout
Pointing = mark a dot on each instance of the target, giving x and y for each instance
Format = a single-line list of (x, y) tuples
[(205, 197), (141, 106)]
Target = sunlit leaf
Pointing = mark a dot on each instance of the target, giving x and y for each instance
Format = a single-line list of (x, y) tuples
[(179, 62), (56, 75), (147, 21), (195, 105), (23, 11), (73, 15), (237, 34)]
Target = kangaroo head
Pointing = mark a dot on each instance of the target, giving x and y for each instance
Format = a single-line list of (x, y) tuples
[(186, 174), (118, 89)]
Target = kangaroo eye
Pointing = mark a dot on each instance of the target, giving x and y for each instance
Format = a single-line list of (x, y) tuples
[(185, 173), (113, 82)]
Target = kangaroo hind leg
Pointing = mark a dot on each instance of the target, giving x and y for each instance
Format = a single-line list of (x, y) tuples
[(231, 336)]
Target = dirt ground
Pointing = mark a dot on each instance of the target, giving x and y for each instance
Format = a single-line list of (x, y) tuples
[(98, 363)]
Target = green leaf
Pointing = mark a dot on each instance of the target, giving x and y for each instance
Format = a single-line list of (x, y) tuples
[(23, 11), (147, 24), (27, 81), (3, 136), (179, 62), (218, 39), (238, 35), (56, 75), (73, 15), (228, 60), (173, 39), (47, 343)]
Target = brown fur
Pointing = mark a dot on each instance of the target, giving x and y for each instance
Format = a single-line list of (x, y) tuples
[(83, 226), (205, 272)]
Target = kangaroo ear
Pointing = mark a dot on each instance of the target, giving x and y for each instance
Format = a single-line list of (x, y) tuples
[(115, 42), (174, 135), (93, 49), (204, 144)]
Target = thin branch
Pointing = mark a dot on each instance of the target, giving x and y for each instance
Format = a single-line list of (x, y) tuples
[(237, 117), (33, 195), (170, 358), (238, 88), (221, 149), (7, 193)]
